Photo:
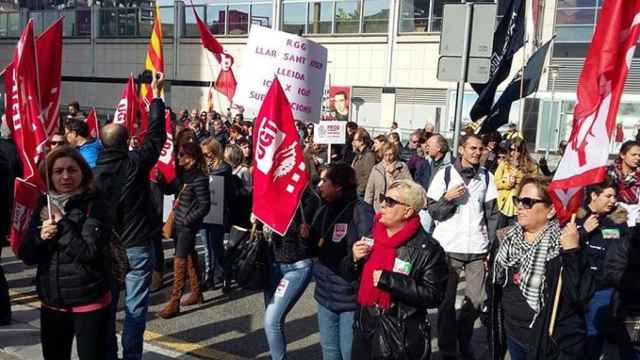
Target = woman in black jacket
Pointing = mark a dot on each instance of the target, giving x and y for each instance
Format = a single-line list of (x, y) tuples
[(69, 246), (403, 273), (532, 256), (192, 204)]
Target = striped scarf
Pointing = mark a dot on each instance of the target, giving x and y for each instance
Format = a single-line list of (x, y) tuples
[(515, 251)]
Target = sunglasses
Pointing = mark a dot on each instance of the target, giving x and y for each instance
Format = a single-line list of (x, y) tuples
[(57, 143), (526, 202), (390, 202)]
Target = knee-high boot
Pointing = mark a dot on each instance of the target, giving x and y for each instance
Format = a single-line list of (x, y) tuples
[(172, 308), (193, 268)]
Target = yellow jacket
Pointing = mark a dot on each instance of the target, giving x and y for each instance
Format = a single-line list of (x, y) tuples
[(508, 179)]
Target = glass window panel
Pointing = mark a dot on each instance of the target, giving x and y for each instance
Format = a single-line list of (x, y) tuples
[(294, 17), (376, 16), (3, 25), (127, 20), (261, 14), (320, 15), (13, 24), (347, 17), (576, 3), (438, 11), (108, 22), (238, 19), (69, 23), (145, 16), (190, 27), (569, 50), (216, 18), (575, 16), (414, 16), (83, 22), (574, 33), (167, 18)]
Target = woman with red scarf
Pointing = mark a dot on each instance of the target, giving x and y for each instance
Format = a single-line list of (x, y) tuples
[(403, 272)]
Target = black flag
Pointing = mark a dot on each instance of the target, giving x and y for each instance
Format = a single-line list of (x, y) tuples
[(531, 73), (508, 38)]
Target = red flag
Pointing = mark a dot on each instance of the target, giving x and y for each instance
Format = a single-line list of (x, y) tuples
[(92, 123), (127, 107), (49, 49), (226, 82), (279, 175), (25, 200), (166, 161), (23, 112), (599, 90)]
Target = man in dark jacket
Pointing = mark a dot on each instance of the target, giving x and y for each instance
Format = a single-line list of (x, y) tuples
[(125, 176), (10, 168), (338, 224)]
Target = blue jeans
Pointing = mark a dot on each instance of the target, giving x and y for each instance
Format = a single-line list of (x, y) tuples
[(288, 283), (212, 236), (598, 308), (336, 333), (137, 284), (516, 351)]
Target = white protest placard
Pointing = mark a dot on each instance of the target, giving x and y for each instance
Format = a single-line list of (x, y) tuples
[(299, 63), (330, 132)]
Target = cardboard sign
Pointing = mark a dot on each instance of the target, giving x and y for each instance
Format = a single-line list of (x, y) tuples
[(330, 132), (299, 64)]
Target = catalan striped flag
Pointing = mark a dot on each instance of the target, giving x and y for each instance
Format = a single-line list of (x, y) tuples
[(155, 56)]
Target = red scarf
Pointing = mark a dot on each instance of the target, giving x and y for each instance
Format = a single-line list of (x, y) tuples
[(382, 257)]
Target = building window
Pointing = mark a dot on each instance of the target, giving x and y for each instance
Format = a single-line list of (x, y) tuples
[(262, 14), (426, 15), (576, 19), (228, 17), (238, 20), (294, 17), (335, 16), (376, 16), (320, 15)]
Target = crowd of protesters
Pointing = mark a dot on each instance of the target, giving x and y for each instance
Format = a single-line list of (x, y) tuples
[(385, 230)]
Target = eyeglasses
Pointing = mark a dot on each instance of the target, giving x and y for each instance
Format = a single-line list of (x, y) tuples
[(526, 202), (390, 202)]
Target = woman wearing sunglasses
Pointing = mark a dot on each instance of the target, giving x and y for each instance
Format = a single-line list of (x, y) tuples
[(532, 255), (192, 205), (509, 175), (403, 272)]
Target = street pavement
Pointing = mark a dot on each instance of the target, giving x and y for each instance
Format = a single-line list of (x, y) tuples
[(225, 327)]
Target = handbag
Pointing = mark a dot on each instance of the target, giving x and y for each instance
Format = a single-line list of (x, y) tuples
[(119, 260), (167, 228), (248, 252)]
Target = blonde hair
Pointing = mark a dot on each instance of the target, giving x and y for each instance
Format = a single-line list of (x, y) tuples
[(411, 193), (214, 147), (233, 155)]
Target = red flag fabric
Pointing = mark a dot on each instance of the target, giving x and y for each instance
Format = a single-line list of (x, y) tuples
[(166, 162), (92, 123), (226, 82), (25, 200), (600, 87), (23, 112), (279, 175), (49, 49), (125, 114)]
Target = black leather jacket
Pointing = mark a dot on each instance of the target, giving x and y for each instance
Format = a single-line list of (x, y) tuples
[(622, 271), (403, 330)]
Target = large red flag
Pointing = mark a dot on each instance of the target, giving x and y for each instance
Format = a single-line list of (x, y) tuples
[(125, 114), (279, 175), (226, 82), (599, 90), (92, 123), (166, 162), (25, 200), (49, 49)]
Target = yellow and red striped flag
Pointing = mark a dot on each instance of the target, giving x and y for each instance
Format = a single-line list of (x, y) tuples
[(155, 56)]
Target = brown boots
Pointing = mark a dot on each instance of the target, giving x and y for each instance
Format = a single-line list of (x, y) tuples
[(156, 281), (193, 268), (173, 306)]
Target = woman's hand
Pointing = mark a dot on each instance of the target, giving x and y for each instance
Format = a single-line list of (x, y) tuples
[(570, 238), (304, 231), (592, 223), (360, 250), (376, 277), (49, 230)]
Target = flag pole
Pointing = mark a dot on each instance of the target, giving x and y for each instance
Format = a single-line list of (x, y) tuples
[(46, 166), (524, 65)]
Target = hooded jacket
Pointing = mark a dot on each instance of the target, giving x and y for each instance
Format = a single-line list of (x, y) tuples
[(126, 173)]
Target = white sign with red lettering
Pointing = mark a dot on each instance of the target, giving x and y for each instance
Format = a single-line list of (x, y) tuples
[(330, 132), (299, 63)]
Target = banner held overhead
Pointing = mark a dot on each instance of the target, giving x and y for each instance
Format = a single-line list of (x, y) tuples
[(301, 67)]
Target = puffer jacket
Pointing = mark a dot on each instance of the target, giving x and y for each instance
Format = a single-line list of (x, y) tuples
[(194, 199), (73, 266), (622, 271), (403, 330), (338, 225), (380, 180)]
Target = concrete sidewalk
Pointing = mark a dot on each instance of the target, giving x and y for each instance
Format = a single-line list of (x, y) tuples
[(21, 339)]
